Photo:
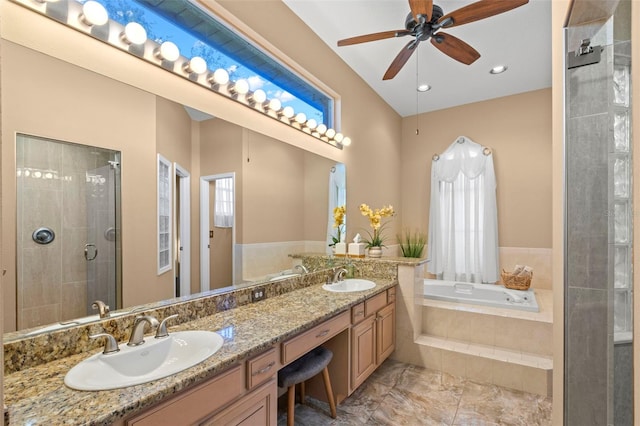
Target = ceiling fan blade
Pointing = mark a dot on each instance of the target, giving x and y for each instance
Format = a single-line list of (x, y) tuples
[(454, 47), (479, 10), (401, 59), (372, 37), (421, 7)]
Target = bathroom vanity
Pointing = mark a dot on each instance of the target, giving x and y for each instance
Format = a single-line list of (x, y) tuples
[(238, 383)]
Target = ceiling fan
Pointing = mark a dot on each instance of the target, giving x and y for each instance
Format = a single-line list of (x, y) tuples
[(425, 21)]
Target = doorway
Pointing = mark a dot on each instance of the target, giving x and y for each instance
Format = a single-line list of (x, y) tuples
[(182, 225), (217, 231)]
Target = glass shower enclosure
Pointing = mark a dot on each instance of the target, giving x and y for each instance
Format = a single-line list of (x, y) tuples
[(68, 242)]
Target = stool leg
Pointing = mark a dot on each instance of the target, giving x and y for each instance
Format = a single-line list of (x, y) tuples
[(327, 386), (302, 393), (291, 405)]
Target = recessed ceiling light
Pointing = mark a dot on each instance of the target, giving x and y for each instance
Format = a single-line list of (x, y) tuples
[(423, 88), (498, 69)]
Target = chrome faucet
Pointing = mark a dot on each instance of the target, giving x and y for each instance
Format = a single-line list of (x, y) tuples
[(103, 308), (137, 333), (162, 332), (300, 267), (339, 275), (110, 345)]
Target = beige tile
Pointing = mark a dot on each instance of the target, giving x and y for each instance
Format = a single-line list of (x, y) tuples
[(509, 334), (430, 358), (480, 369), (436, 322), (536, 338), (473, 328), (41, 315), (74, 300), (507, 375), (537, 381), (455, 363)]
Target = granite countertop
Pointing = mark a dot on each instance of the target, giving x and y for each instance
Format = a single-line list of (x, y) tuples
[(38, 395)]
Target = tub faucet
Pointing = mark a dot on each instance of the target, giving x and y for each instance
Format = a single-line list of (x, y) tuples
[(137, 333), (301, 268), (103, 308), (339, 275)]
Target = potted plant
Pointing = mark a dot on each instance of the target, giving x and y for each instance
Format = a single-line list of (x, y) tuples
[(338, 223), (375, 242), (412, 244)]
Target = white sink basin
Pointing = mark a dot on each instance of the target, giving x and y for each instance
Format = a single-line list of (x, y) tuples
[(155, 359), (349, 285)]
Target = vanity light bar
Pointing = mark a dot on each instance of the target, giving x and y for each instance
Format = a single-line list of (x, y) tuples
[(84, 17)]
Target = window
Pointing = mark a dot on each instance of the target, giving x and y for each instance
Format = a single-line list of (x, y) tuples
[(223, 207), (197, 33), (164, 214)]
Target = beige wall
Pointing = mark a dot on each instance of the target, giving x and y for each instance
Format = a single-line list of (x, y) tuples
[(67, 106), (373, 160), (518, 130)]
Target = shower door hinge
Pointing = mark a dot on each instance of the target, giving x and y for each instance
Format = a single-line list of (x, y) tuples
[(585, 55)]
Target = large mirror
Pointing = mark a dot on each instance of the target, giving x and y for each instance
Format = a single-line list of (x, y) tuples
[(281, 192)]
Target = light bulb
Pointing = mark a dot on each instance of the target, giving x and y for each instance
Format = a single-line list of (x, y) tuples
[(259, 96), (167, 51), (275, 105), (338, 137), (134, 33), (93, 13), (346, 141), (498, 69), (321, 129), (330, 133), (195, 65), (312, 124), (288, 112), (240, 87), (301, 117), (219, 76)]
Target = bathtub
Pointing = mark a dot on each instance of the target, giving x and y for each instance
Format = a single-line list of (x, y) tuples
[(481, 294)]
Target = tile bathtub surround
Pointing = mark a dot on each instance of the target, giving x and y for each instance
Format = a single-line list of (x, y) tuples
[(399, 393), (538, 258), (247, 330)]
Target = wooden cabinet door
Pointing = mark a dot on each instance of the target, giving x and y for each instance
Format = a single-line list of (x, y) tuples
[(385, 332), (258, 408), (363, 351)]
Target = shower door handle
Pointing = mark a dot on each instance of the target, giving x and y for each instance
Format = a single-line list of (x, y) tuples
[(90, 251)]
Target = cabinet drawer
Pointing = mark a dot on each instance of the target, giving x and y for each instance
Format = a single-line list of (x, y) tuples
[(391, 294), (357, 313), (261, 368), (195, 404), (299, 345), (372, 305)]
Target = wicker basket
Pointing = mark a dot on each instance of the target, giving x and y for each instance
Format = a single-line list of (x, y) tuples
[(515, 282)]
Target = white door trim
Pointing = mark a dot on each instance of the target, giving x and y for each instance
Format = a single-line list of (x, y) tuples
[(204, 229), (185, 228)]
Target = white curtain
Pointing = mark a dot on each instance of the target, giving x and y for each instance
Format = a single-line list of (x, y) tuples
[(337, 197), (223, 207), (463, 216)]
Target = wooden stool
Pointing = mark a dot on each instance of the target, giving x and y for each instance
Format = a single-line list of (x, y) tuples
[(303, 369)]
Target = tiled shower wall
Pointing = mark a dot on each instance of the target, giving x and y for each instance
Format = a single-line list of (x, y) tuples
[(598, 223), (52, 191)]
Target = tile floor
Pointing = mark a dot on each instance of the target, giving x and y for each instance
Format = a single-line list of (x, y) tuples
[(403, 394)]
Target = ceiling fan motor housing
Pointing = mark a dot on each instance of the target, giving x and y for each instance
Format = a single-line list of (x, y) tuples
[(436, 14)]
